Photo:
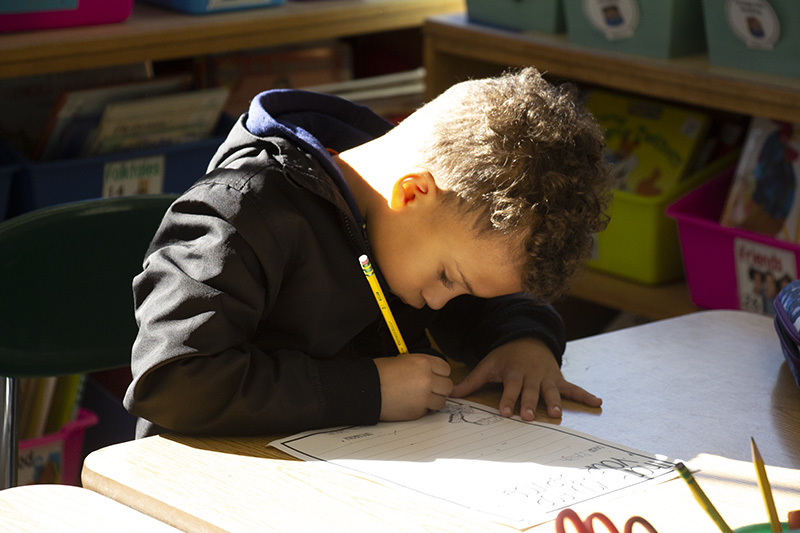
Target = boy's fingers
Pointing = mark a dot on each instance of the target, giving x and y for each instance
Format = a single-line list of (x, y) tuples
[(442, 386), (528, 402), (512, 386), (578, 394), (440, 367), (552, 399), (469, 384)]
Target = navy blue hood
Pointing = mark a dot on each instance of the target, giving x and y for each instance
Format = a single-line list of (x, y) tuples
[(315, 122)]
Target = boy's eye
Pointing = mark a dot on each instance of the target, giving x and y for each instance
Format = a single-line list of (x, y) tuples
[(445, 280)]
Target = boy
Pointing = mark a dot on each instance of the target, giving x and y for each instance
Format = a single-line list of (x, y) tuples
[(256, 318)]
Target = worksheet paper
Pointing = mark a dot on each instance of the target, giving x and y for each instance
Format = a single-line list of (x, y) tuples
[(509, 471)]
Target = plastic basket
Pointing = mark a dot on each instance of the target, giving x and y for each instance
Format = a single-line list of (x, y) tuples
[(55, 458)]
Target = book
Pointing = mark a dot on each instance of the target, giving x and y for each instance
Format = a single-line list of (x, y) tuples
[(393, 96), (77, 113), (40, 408), (25, 102), (66, 398), (764, 196), (651, 145), (248, 73), (27, 391), (158, 121)]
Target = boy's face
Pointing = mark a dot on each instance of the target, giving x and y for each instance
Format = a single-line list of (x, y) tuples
[(430, 254)]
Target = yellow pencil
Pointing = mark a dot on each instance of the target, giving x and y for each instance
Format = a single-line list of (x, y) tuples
[(766, 491), (701, 498), (366, 266)]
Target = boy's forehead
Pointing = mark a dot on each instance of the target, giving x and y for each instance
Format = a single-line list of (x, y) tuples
[(494, 265)]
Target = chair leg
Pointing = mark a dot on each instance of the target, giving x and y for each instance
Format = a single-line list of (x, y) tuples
[(9, 438)]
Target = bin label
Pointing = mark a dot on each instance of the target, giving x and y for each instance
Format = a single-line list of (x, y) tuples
[(40, 464), (143, 175), (754, 22), (615, 19), (761, 272)]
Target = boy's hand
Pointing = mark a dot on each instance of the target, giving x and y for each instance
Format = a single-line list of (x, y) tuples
[(527, 369), (411, 384)]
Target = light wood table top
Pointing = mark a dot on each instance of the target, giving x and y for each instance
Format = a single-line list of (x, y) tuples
[(694, 387), (35, 508)]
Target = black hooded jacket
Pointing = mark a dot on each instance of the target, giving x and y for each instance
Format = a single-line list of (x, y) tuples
[(254, 314)]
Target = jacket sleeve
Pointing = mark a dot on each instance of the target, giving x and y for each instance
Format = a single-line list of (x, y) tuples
[(468, 328), (198, 304)]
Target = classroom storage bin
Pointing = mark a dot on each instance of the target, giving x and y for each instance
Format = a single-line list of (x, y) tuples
[(537, 15), (199, 7), (46, 14), (55, 458), (176, 167), (718, 259), (655, 28), (761, 35), (641, 241)]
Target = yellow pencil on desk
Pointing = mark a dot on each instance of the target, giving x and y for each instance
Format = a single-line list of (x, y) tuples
[(366, 266), (766, 491), (701, 498)]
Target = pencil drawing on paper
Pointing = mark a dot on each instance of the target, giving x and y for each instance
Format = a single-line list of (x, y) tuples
[(459, 413)]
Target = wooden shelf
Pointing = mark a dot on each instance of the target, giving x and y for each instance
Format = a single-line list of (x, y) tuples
[(456, 49), (152, 33), (654, 302)]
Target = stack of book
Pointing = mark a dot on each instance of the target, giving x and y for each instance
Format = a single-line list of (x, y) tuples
[(46, 404)]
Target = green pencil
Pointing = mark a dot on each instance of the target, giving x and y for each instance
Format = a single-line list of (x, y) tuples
[(701, 498)]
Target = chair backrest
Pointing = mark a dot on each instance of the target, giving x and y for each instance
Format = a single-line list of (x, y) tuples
[(66, 304)]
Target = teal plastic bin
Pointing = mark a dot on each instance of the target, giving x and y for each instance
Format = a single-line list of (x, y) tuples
[(761, 35), (654, 28), (545, 16)]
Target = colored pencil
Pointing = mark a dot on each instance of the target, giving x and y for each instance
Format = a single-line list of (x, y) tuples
[(701, 498), (766, 491), (366, 266)]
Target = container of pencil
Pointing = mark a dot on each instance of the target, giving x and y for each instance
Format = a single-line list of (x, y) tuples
[(763, 528)]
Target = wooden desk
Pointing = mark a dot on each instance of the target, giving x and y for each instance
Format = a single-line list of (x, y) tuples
[(37, 508), (697, 384)]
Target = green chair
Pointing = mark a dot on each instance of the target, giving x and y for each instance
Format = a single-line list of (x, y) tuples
[(66, 305)]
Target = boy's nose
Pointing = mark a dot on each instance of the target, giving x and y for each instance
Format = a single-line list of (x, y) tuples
[(436, 298)]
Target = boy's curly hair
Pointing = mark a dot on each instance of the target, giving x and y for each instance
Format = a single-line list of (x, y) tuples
[(527, 158)]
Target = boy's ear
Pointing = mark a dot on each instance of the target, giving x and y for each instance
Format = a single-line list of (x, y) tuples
[(416, 186)]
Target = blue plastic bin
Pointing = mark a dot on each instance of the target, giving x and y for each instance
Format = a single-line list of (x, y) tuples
[(199, 7), (43, 184)]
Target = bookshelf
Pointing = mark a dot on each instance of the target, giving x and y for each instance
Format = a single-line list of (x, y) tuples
[(455, 49), (155, 34)]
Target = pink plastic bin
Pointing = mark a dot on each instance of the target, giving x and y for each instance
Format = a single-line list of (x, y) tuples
[(55, 458), (708, 248), (85, 13)]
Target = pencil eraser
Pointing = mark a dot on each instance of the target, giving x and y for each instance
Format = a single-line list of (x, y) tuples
[(364, 260)]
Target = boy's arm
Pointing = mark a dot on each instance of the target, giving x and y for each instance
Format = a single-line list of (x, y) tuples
[(468, 328), (514, 341), (195, 366)]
